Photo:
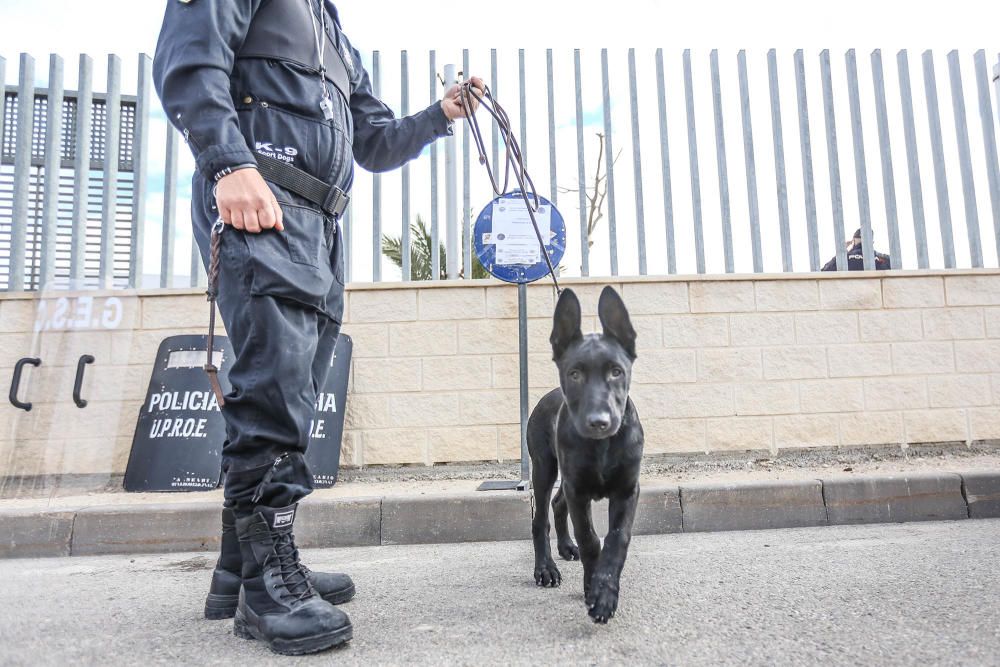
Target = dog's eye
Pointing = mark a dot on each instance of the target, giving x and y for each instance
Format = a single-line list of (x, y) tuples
[(575, 376), (616, 373)]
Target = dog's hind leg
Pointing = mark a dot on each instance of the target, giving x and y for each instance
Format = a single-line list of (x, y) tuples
[(560, 514), (543, 478)]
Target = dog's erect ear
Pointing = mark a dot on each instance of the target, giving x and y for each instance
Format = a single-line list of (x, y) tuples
[(615, 320), (565, 323)]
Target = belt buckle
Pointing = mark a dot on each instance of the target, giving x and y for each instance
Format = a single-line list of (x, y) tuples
[(336, 202)]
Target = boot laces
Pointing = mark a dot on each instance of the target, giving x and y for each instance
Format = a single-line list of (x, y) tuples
[(293, 572)]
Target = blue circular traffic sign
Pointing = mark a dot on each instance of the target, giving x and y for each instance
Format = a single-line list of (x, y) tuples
[(506, 243)]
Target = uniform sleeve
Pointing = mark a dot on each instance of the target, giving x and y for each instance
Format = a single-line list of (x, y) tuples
[(382, 141), (194, 59), (830, 266)]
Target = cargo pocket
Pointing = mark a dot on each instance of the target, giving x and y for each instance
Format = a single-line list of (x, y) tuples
[(292, 264)]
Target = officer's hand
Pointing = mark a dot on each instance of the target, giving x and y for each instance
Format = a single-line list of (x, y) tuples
[(452, 102), (246, 203)]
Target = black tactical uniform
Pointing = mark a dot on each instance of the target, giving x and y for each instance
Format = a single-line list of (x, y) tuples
[(856, 258), (242, 80)]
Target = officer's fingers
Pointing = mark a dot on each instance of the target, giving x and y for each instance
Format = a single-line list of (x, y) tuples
[(250, 221), (265, 216), (279, 216), (236, 218)]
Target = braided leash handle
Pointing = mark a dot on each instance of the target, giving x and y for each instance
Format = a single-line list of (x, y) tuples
[(513, 162), (212, 292)]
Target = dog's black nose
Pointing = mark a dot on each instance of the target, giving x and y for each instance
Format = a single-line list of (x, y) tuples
[(599, 423)]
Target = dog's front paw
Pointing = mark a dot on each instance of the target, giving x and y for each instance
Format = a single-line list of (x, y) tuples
[(602, 600), (568, 551), (547, 574)]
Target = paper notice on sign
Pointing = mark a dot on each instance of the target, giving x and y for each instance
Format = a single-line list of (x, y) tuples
[(514, 235)]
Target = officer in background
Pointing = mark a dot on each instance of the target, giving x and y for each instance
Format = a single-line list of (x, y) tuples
[(856, 259), (276, 107)]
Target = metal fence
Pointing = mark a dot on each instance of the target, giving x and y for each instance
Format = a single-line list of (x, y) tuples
[(785, 208)]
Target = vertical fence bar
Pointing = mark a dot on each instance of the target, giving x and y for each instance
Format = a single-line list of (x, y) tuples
[(781, 182), (860, 168), (197, 271), (836, 196), (53, 165), (885, 151), (454, 250), (81, 172), (805, 143), (495, 138), (751, 164), (551, 94), (435, 227), (140, 170), (609, 163), (376, 76), (989, 141), (169, 210), (723, 168), (912, 160), (581, 164), (466, 184), (965, 160), (22, 172), (640, 217), (937, 150), (699, 235), (668, 197), (109, 194), (404, 173)]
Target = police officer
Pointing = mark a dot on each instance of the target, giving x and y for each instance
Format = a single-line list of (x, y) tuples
[(276, 106), (856, 259)]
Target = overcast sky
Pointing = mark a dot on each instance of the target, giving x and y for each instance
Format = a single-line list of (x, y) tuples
[(128, 27)]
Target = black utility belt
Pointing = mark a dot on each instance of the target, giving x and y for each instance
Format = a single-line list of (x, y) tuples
[(331, 199)]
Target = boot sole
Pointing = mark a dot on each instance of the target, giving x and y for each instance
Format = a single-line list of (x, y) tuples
[(220, 607), (301, 646)]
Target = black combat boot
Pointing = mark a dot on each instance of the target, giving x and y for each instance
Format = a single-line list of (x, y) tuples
[(277, 603), (224, 592)]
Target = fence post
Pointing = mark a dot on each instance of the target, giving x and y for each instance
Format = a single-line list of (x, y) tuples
[(81, 172), (805, 143), (750, 162), (451, 190), (836, 196), (937, 150), (169, 210), (53, 165), (668, 195), (609, 162), (435, 234), (723, 167), (109, 188), (699, 237), (781, 182), (22, 172), (404, 173), (888, 180), (376, 77), (581, 176), (989, 141), (965, 160), (860, 170), (912, 160), (140, 146)]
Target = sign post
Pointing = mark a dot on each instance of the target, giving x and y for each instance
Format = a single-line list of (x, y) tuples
[(507, 246)]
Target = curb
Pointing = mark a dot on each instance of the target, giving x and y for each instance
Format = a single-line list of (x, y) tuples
[(500, 516)]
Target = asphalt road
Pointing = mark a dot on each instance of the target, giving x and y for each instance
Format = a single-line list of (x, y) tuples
[(885, 594)]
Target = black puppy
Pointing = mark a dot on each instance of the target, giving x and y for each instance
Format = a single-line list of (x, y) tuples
[(589, 430)]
